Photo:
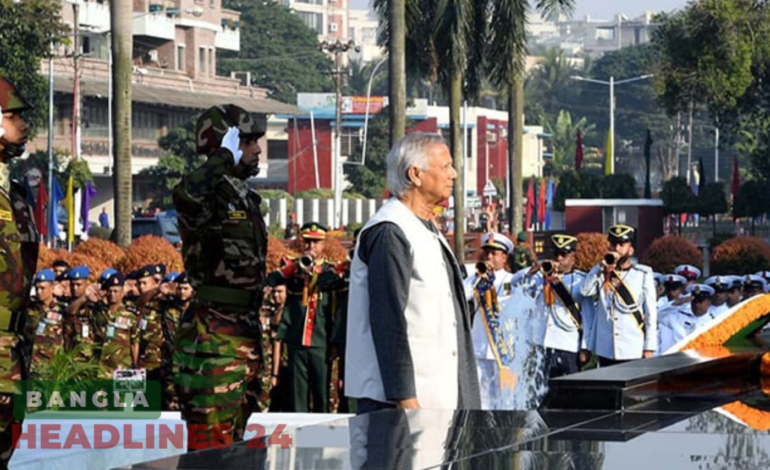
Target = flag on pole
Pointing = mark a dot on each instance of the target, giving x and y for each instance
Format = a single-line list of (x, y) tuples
[(71, 210), (53, 214), (608, 156), (647, 153), (701, 175), (541, 201), (530, 202), (85, 205), (40, 204), (736, 184), (578, 151), (549, 204)]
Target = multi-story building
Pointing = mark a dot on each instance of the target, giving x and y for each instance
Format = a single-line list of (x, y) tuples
[(592, 36), (363, 30), (329, 18), (174, 78)]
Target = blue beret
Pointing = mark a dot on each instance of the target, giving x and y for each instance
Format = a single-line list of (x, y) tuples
[(171, 277), (78, 272), (160, 269), (146, 271), (116, 279), (45, 275), (107, 273)]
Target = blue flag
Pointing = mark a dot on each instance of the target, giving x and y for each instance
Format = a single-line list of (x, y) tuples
[(89, 192), (53, 204), (548, 205)]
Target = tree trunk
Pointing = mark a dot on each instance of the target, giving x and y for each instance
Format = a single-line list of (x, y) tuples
[(455, 103), (515, 154), (121, 14), (397, 66)]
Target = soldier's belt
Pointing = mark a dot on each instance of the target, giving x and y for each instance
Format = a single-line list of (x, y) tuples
[(227, 296), (11, 321)]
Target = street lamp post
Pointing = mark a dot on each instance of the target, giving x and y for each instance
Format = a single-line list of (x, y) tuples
[(338, 48), (611, 83)]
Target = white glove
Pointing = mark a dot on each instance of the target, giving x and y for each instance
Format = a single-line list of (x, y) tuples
[(231, 141), (2, 131)]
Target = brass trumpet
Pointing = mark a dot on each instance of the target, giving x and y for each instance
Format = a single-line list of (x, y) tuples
[(610, 259), (548, 267), (481, 268), (306, 262)]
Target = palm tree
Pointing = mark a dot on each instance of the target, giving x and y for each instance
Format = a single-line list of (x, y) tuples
[(564, 138), (549, 85), (507, 43), (122, 44), (437, 44)]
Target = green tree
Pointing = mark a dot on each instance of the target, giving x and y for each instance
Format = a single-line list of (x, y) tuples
[(751, 201), (28, 29), (619, 186), (359, 74), (677, 198), (711, 201), (576, 185), (564, 139), (550, 85), (181, 158), (279, 50), (370, 179)]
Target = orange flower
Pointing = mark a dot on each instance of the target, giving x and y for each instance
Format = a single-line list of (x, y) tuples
[(732, 324), (750, 416)]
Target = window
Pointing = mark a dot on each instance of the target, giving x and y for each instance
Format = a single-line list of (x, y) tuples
[(180, 56), (312, 20), (202, 60), (605, 34)]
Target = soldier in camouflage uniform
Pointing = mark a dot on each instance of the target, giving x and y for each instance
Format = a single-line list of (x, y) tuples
[(306, 321), (119, 328), (173, 307), (522, 255), (45, 324), (82, 330), (19, 245), (147, 350), (270, 317), (224, 245)]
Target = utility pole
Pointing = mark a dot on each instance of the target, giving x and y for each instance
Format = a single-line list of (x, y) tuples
[(689, 146), (397, 65), (76, 117), (516, 153), (338, 177), (121, 15)]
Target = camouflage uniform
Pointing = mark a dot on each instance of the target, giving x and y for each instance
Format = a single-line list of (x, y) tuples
[(45, 334), (338, 338), (170, 314), (225, 250), (120, 331), (19, 245), (520, 258), (307, 353), (150, 339), (83, 330)]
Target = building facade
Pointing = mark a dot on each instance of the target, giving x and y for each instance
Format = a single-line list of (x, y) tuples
[(173, 79), (329, 18)]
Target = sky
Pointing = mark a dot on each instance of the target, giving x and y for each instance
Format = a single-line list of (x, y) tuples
[(601, 9)]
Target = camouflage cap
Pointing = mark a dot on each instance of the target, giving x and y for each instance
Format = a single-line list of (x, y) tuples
[(213, 124), (10, 98)]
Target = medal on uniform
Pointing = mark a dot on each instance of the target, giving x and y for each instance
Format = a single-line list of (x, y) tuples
[(40, 328), (84, 332)]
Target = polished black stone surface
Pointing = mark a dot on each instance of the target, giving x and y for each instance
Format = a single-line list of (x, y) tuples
[(688, 434)]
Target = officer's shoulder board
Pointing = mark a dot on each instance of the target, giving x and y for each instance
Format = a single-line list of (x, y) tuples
[(643, 268)]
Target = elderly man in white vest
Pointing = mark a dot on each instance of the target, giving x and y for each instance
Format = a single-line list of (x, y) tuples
[(409, 329)]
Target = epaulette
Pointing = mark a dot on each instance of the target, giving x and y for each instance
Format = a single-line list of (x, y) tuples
[(643, 268)]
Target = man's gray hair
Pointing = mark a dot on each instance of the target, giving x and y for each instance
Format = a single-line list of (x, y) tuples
[(410, 151)]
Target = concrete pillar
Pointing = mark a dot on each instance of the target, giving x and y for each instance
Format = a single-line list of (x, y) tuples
[(359, 211), (282, 212), (345, 211), (299, 207)]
